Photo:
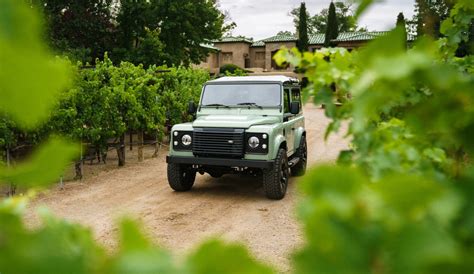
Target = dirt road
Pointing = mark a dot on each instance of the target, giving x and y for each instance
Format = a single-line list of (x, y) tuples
[(233, 207)]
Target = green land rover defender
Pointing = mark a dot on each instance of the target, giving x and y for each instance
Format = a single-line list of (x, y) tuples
[(252, 124)]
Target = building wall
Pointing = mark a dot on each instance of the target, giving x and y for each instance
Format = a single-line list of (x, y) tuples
[(351, 44), (272, 47), (211, 63), (233, 53), (257, 57), (314, 48)]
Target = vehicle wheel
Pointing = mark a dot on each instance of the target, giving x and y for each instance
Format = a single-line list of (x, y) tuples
[(300, 168), (181, 177), (275, 180)]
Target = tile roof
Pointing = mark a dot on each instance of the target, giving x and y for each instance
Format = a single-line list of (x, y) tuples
[(260, 43), (231, 39), (210, 46), (281, 38), (314, 39), (359, 36)]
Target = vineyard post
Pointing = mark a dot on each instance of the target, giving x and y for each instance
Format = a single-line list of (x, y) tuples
[(131, 141), (157, 146), (121, 151), (140, 145), (81, 166)]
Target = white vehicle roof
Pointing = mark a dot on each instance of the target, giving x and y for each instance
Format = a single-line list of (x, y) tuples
[(273, 78)]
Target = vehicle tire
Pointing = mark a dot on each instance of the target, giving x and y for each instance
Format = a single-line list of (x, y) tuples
[(300, 168), (181, 177), (275, 180)]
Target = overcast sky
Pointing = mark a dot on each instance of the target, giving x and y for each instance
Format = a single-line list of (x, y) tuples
[(264, 18)]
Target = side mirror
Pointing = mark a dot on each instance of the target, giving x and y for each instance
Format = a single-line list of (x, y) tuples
[(295, 107), (192, 108)]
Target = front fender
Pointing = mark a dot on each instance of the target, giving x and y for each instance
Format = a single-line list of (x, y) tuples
[(299, 132), (279, 139)]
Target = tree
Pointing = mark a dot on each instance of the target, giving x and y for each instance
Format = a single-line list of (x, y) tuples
[(428, 16), (132, 21), (80, 27), (318, 22), (184, 25), (303, 40), (332, 30), (401, 23)]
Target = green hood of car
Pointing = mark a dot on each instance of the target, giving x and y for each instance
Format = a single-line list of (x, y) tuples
[(234, 121)]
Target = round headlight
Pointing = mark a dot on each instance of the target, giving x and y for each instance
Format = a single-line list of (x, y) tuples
[(175, 133), (186, 140), (254, 142)]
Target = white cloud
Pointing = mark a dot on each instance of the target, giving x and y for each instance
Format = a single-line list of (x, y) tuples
[(264, 18)]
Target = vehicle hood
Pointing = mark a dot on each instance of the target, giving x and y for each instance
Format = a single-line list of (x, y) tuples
[(233, 121)]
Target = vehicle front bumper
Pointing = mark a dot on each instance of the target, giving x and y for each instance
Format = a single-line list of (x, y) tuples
[(219, 162)]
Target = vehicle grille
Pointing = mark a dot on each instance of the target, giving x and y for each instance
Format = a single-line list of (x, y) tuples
[(218, 142)]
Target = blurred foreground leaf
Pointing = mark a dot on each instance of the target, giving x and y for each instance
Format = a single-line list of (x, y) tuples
[(30, 78), (403, 224), (57, 247), (217, 257), (44, 167)]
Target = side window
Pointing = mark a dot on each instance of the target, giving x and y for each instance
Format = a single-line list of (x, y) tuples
[(286, 102), (296, 96)]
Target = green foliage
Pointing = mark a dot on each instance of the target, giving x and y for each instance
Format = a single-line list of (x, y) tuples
[(403, 224), (318, 22), (429, 15), (61, 247), (229, 68), (180, 86), (403, 203), (22, 51), (28, 90), (303, 40), (109, 100), (81, 29), (42, 168), (186, 25), (332, 30), (216, 257), (408, 181), (138, 31), (401, 23)]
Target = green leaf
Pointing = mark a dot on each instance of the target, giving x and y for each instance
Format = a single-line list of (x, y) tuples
[(363, 6), (30, 79), (216, 257), (44, 167)]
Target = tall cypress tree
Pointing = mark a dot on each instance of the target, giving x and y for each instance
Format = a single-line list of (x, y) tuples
[(332, 30), (303, 40), (401, 23)]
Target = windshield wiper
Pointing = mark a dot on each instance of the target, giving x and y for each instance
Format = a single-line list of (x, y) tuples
[(216, 105), (250, 104)]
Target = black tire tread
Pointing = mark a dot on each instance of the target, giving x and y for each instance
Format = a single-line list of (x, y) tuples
[(271, 178), (176, 180)]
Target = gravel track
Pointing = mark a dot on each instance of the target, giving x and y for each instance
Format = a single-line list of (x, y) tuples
[(233, 207)]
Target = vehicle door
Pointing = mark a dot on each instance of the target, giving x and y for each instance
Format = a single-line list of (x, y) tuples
[(288, 122), (297, 121)]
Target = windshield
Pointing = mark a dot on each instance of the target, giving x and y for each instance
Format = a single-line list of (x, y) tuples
[(262, 95)]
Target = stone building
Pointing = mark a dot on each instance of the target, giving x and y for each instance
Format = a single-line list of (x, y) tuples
[(258, 56)]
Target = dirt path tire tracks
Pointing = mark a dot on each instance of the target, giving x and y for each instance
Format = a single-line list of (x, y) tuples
[(233, 207)]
